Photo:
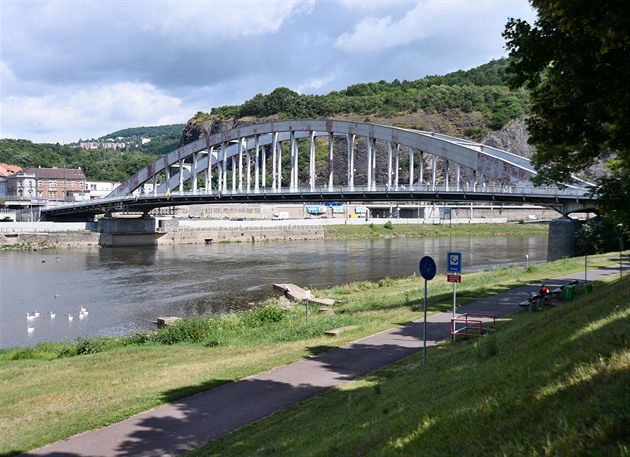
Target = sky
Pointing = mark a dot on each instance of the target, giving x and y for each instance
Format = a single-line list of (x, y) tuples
[(77, 69)]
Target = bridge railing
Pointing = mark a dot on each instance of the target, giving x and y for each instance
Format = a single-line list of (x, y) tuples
[(493, 190), (404, 190)]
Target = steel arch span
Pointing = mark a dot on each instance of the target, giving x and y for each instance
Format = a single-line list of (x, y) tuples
[(245, 165), (244, 153)]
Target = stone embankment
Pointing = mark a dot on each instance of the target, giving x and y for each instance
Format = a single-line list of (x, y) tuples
[(17, 236), (45, 240)]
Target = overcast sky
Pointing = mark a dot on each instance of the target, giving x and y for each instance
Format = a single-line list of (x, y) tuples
[(82, 69)]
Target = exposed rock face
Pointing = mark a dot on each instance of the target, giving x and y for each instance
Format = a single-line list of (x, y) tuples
[(512, 138), (196, 130)]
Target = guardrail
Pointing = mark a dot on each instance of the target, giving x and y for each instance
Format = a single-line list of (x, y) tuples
[(473, 325)]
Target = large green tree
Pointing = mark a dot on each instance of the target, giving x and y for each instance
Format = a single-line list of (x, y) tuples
[(575, 61)]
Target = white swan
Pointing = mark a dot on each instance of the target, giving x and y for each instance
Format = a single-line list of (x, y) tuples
[(52, 315), (30, 316), (70, 317), (30, 329)]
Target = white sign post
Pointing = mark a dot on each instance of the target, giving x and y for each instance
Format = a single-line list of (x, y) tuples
[(454, 265)]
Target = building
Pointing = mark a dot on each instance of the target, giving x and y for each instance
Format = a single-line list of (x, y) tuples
[(6, 170), (45, 184), (100, 189), (102, 145)]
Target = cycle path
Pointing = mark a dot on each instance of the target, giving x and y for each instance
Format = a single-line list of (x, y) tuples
[(186, 424)]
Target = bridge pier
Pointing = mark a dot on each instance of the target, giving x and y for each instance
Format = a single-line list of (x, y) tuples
[(561, 238), (128, 231)]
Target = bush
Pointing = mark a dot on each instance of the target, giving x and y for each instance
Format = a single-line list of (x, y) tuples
[(184, 331), (265, 315), (92, 346), (388, 225), (485, 347)]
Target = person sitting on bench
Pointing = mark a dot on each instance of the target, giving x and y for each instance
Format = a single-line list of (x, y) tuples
[(544, 293)]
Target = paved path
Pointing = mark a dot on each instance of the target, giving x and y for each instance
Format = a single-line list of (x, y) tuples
[(184, 425)]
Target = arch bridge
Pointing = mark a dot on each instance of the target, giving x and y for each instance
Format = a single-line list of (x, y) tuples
[(281, 161)]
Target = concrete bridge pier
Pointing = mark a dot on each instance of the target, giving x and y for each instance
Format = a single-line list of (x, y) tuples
[(128, 231), (561, 239)]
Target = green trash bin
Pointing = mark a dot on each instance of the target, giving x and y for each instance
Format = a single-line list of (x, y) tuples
[(568, 292), (588, 288)]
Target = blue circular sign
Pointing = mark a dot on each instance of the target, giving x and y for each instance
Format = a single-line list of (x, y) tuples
[(427, 268)]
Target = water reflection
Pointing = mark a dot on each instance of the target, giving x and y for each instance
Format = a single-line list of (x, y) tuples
[(125, 289)]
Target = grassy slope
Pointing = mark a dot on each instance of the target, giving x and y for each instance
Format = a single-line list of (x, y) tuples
[(549, 383), (44, 398)]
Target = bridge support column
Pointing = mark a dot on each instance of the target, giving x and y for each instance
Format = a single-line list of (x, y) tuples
[(123, 231), (561, 239)]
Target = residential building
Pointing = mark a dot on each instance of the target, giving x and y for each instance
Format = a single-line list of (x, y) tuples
[(100, 189), (49, 184), (102, 145), (6, 170)]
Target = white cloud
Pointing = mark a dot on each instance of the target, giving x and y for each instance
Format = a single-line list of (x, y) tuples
[(84, 68), (314, 84), (440, 19), (91, 111), (197, 22)]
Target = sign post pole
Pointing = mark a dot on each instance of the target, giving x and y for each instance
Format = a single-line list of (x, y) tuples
[(454, 263), (424, 329), (427, 271), (454, 297)]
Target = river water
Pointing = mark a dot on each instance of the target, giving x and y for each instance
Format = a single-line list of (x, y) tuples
[(124, 289)]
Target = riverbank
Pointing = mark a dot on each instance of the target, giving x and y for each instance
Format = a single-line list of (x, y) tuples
[(43, 238), (113, 378)]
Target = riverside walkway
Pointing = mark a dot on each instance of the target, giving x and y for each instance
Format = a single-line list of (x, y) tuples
[(181, 426)]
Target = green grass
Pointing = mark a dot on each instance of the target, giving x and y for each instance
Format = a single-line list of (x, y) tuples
[(378, 229), (55, 390), (549, 383)]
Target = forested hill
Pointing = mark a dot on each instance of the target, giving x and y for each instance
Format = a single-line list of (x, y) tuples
[(482, 90), (473, 104)]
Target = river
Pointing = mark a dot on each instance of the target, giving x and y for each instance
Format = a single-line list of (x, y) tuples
[(123, 290)]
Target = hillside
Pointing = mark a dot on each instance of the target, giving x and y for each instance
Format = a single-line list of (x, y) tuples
[(474, 104), (468, 104), (162, 139)]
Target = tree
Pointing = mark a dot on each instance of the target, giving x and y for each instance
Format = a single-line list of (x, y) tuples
[(575, 60)]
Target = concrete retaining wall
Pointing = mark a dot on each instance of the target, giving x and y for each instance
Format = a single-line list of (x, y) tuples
[(54, 240)]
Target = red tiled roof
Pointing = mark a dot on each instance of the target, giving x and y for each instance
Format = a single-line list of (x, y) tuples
[(75, 174), (6, 169)]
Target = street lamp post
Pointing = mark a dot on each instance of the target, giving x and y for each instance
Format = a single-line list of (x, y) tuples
[(30, 205)]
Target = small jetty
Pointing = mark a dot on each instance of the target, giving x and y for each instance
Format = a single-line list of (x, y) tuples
[(296, 293)]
